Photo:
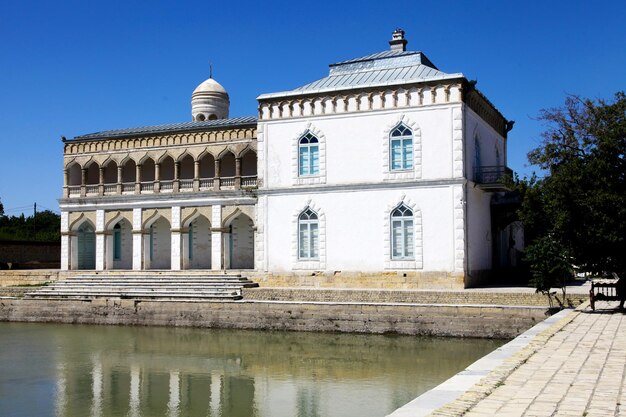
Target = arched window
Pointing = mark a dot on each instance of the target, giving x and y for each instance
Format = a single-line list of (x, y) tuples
[(308, 155), (117, 242), (308, 235), (401, 148), (402, 235)]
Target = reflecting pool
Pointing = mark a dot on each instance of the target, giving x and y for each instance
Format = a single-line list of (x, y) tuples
[(79, 370)]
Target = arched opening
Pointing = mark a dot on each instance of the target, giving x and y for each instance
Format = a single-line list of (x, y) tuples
[(401, 148), (200, 117), (119, 246), (239, 245), (207, 171), (186, 173), (158, 245), (212, 117), (129, 171), (402, 233), (110, 173), (197, 244), (249, 169), (227, 170), (74, 172), (167, 174), (93, 174), (86, 246), (147, 175)]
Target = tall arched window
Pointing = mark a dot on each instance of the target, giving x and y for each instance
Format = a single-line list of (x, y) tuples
[(401, 148), (402, 234), (308, 235), (308, 155)]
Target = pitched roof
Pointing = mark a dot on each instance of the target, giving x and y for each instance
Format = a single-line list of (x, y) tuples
[(390, 67), (167, 128)]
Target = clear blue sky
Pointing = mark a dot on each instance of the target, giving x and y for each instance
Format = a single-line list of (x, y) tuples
[(75, 67)]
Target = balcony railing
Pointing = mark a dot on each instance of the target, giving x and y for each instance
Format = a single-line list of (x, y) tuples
[(186, 185), (167, 186), (245, 182), (492, 178), (206, 184), (110, 189), (91, 189), (227, 182), (147, 187), (248, 181)]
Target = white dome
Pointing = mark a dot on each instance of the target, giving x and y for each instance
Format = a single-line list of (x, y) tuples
[(210, 86), (209, 101)]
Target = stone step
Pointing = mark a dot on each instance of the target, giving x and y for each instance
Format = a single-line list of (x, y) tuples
[(147, 285)]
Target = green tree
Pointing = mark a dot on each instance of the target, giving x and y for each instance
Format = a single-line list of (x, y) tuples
[(576, 214)]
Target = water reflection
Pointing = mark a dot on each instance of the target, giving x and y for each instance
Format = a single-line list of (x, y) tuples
[(66, 370)]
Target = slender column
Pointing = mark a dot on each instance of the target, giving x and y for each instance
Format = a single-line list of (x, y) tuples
[(119, 179), (216, 180), (100, 252), (157, 177), (66, 182), (65, 241), (101, 181), (196, 175), (83, 182), (216, 238), (175, 239), (176, 185), (137, 240), (138, 178), (237, 173)]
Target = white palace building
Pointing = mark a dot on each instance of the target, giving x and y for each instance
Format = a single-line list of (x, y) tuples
[(386, 173)]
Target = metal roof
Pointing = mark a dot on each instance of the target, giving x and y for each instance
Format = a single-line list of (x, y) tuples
[(174, 127), (390, 67)]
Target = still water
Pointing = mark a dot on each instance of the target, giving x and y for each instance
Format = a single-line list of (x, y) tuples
[(78, 370)]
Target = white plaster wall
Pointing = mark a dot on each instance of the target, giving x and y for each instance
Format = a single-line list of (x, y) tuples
[(489, 141), (354, 142), (479, 229), (355, 227)]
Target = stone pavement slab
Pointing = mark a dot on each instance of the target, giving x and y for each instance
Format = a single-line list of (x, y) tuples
[(576, 367)]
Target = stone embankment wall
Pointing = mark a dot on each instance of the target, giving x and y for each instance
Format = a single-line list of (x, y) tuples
[(462, 297), (27, 277), (29, 255), (412, 319)]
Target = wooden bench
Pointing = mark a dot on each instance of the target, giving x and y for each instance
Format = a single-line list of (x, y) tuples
[(604, 290)]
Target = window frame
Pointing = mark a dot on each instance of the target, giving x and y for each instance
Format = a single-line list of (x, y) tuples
[(309, 145), (406, 221), (306, 220), (406, 161)]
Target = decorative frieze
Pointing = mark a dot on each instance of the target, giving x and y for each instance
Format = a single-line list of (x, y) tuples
[(359, 100)]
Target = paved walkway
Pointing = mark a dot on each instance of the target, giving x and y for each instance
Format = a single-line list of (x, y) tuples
[(576, 368)]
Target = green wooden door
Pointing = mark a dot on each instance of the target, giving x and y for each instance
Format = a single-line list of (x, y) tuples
[(86, 247)]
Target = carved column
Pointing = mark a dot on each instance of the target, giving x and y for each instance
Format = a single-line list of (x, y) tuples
[(196, 175), (138, 178), (119, 179), (101, 181), (66, 182), (237, 173), (176, 185), (216, 180), (157, 177), (83, 182)]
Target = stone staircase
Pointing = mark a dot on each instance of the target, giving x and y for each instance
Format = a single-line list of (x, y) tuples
[(148, 285)]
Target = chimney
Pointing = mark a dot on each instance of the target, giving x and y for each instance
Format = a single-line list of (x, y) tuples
[(397, 42)]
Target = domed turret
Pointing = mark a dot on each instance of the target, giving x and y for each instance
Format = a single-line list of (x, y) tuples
[(209, 101)]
